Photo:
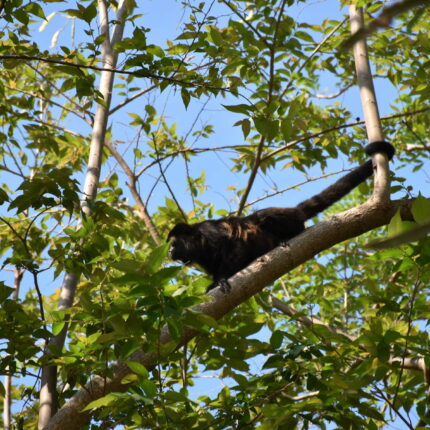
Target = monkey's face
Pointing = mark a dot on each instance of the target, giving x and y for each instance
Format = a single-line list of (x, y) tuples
[(184, 245)]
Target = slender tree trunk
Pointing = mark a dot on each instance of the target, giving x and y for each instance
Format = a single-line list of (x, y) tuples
[(381, 188), (48, 391), (7, 402)]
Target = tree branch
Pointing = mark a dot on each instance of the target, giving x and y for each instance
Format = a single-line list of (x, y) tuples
[(317, 48), (139, 73), (333, 95), (381, 178), (142, 211), (339, 127)]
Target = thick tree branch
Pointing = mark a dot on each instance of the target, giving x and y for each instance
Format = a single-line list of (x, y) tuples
[(7, 401), (264, 271)]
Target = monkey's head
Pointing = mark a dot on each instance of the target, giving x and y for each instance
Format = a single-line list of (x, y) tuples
[(184, 243)]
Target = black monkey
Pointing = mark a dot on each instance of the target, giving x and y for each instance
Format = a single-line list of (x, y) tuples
[(225, 246)]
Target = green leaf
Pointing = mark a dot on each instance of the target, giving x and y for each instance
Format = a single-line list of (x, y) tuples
[(241, 108), (175, 328), (35, 9), (268, 128), (199, 321), (90, 13), (150, 388), (216, 36), (276, 339), (395, 227), (156, 258), (4, 197), (185, 94), (164, 275), (103, 401), (57, 327), (138, 368), (5, 291), (127, 266), (421, 210), (246, 127)]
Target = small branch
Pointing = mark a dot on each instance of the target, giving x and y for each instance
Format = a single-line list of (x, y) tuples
[(307, 321), (143, 213), (140, 74), (340, 127), (293, 187), (317, 48), (410, 147), (393, 407), (52, 102), (260, 37), (271, 82), (255, 167), (184, 215), (152, 87), (190, 151), (302, 396), (334, 95)]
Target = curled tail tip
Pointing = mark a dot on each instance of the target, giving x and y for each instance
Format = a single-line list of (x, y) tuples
[(380, 146)]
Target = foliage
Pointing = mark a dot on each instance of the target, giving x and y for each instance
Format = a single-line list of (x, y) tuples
[(262, 68)]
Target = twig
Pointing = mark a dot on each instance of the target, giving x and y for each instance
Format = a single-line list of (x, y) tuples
[(340, 127), (317, 48), (334, 95), (292, 187), (141, 73), (167, 184), (40, 97), (260, 37), (143, 213)]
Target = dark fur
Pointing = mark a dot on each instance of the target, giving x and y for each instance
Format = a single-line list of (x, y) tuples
[(225, 246)]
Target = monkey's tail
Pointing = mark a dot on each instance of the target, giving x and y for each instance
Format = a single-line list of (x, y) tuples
[(316, 204)]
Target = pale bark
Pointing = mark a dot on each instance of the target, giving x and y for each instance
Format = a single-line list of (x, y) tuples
[(7, 401), (381, 188), (48, 393)]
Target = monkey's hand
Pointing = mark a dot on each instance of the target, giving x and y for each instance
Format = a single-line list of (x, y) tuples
[(222, 283)]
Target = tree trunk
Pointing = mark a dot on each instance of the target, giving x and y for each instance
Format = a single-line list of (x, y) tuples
[(48, 391)]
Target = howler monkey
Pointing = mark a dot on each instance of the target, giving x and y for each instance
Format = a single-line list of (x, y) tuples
[(225, 246)]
